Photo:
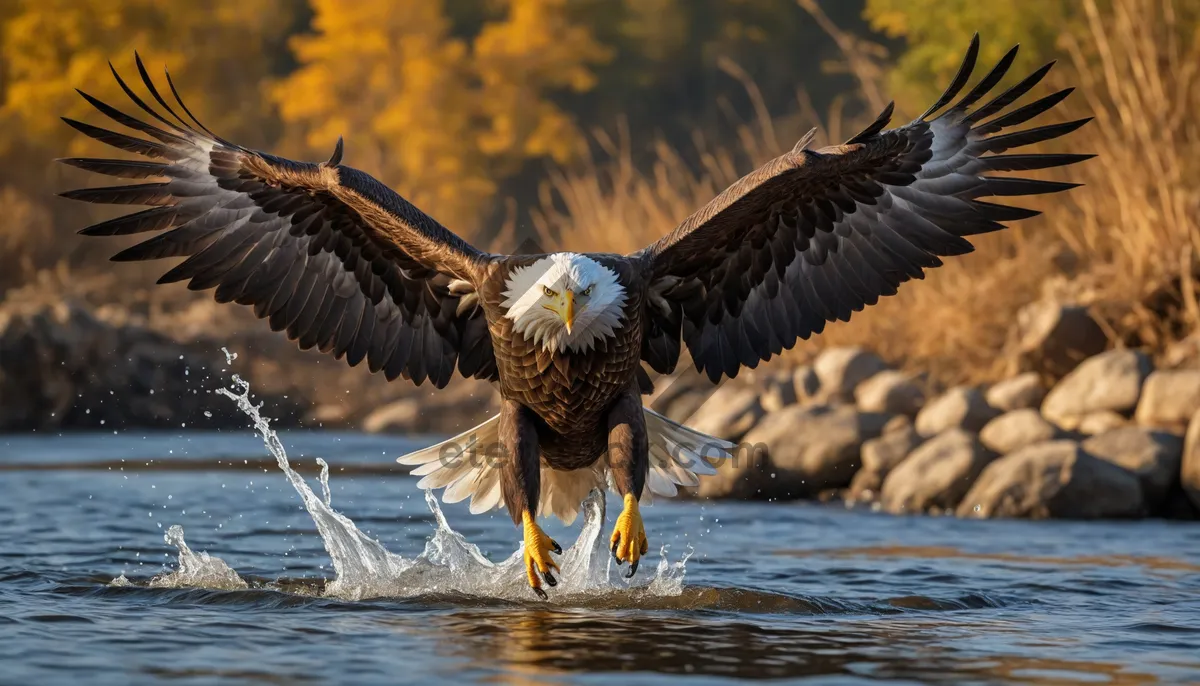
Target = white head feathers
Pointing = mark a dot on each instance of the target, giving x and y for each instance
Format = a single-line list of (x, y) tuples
[(565, 301)]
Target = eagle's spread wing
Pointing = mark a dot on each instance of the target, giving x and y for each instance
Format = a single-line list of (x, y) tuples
[(815, 235), (322, 251)]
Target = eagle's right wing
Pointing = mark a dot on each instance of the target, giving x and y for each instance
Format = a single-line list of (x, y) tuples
[(322, 251), (815, 235)]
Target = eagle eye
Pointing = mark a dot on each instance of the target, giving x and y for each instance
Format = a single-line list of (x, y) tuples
[(549, 293), (588, 291)]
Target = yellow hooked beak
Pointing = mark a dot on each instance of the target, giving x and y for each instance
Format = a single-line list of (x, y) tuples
[(568, 311)]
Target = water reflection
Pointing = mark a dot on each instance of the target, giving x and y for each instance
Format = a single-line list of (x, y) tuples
[(516, 644)]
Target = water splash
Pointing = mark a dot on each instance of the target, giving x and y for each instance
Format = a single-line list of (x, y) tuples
[(325, 481), (357, 558), (195, 569), (449, 564)]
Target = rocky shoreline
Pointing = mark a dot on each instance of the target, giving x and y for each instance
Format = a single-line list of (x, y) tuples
[(62, 367), (1075, 431), (1107, 437)]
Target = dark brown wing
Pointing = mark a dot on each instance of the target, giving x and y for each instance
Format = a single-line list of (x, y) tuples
[(322, 251), (815, 235)]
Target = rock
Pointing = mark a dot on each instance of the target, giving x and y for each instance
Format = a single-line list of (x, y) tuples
[(1180, 507), (742, 476), (957, 408), (1152, 456), (1183, 353), (1189, 471), (936, 474), (1053, 339), (841, 370), (326, 416), (1109, 381), (879, 456), (678, 397), (898, 423), (728, 413), (435, 412), (686, 404), (1169, 398), (1018, 393), (797, 453), (401, 416), (62, 367), (806, 384), (1101, 421), (778, 391), (1014, 430), (1053, 480), (891, 392)]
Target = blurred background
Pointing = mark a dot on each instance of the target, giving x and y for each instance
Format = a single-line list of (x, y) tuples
[(589, 124)]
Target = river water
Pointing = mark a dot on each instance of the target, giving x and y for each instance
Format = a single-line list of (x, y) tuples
[(198, 558)]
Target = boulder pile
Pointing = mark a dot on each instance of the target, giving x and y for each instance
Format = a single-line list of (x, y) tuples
[(1074, 432)]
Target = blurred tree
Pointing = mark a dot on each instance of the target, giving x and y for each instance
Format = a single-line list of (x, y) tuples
[(221, 54), (442, 117), (666, 77), (938, 31)]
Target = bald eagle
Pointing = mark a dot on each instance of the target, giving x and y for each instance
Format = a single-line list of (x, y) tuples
[(340, 262)]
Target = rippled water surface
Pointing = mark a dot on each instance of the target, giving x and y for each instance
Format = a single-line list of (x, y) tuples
[(778, 591)]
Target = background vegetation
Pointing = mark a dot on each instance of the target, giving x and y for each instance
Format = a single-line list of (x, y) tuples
[(600, 124)]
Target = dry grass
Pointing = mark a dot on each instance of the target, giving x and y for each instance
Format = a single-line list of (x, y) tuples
[(1138, 219), (1125, 244)]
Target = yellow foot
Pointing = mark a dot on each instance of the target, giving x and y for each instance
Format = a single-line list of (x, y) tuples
[(537, 555), (629, 536)]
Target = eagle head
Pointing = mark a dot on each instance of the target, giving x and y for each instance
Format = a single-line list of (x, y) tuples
[(565, 301)]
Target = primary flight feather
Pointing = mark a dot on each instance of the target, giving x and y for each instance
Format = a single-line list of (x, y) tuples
[(340, 262)]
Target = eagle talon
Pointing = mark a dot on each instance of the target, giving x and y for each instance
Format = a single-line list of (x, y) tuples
[(538, 547), (629, 536)]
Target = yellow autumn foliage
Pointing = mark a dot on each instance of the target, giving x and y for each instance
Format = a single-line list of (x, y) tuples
[(51, 47), (439, 117)]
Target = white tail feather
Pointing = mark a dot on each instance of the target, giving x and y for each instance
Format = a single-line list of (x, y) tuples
[(468, 466)]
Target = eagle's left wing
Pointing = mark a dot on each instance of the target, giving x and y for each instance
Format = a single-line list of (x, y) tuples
[(323, 252), (815, 235)]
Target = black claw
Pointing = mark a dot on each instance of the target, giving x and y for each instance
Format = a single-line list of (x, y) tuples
[(555, 547), (614, 550), (540, 593), (632, 569), (549, 578)]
